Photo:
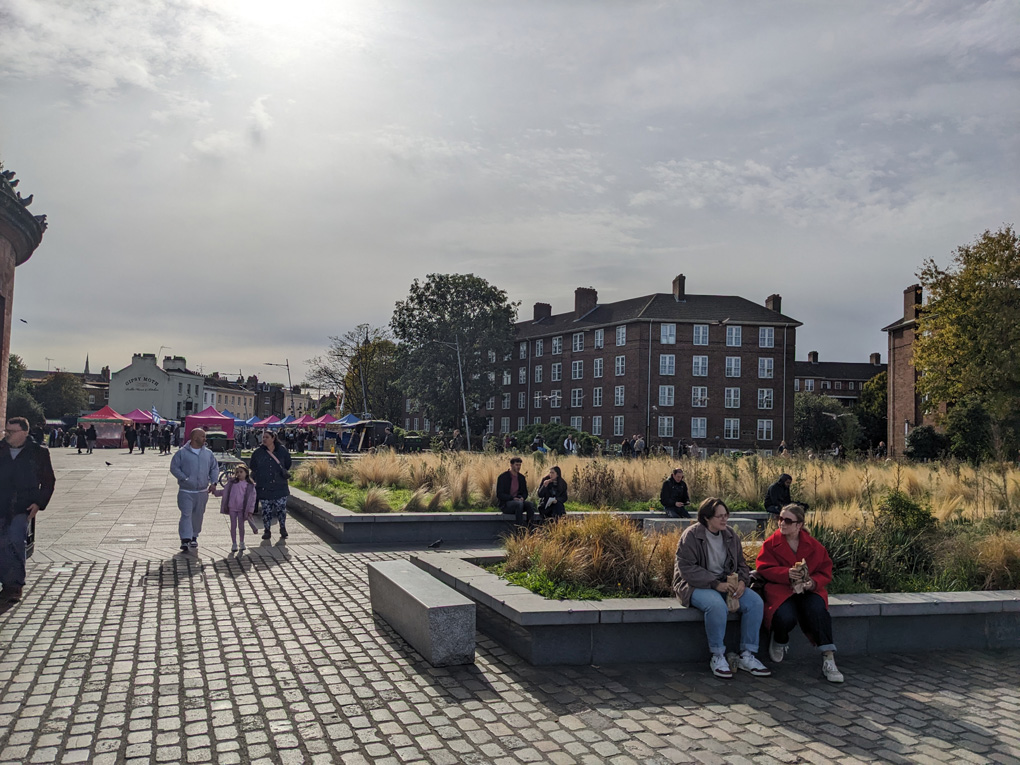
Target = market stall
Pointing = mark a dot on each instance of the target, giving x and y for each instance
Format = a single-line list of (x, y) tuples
[(109, 427), (209, 419)]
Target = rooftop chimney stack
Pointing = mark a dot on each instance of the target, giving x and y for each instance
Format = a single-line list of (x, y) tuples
[(585, 300), (812, 357), (680, 288), (542, 311), (876, 359), (911, 302), (774, 303)]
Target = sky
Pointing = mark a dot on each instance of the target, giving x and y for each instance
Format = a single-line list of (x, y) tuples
[(234, 181)]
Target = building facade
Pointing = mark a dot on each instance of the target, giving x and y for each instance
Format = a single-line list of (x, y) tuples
[(221, 393), (905, 411), (174, 390), (714, 371), (841, 380)]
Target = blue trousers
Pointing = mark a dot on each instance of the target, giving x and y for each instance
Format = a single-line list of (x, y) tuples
[(713, 604), (13, 531)]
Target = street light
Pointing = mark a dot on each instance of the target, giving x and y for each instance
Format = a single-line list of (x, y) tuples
[(287, 365), (463, 397)]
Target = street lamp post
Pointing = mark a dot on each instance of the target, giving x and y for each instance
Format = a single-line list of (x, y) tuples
[(463, 397), (289, 384)]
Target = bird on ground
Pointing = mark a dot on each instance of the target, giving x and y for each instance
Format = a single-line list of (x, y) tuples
[(436, 544), (108, 464)]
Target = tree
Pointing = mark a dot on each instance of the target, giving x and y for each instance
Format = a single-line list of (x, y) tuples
[(15, 371), (820, 421), (60, 394), (968, 336), (21, 404), (925, 443), (969, 430), (447, 315), (362, 365), (872, 409)]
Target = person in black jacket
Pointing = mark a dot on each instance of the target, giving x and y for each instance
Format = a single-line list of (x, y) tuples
[(778, 495), (674, 495), (270, 469), (512, 493), (26, 486), (553, 493)]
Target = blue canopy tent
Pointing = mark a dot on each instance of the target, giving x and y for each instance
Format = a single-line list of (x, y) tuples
[(238, 422), (348, 419), (251, 421), (287, 420)]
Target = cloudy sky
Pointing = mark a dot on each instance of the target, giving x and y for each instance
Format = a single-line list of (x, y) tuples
[(239, 179)]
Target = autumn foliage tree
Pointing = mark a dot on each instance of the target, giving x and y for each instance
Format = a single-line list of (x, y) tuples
[(968, 340)]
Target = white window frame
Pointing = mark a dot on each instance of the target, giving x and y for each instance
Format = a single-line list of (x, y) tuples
[(667, 395), (555, 399), (699, 427), (596, 367), (667, 364), (596, 425), (504, 424), (577, 342), (699, 396), (618, 395), (699, 366), (620, 366), (618, 425), (507, 380), (577, 423), (731, 398), (733, 366), (599, 341), (537, 403), (699, 335), (765, 398), (522, 375), (538, 373), (667, 334), (576, 398), (539, 348), (665, 426), (731, 428), (557, 345), (766, 367), (734, 336), (506, 401), (766, 337), (577, 370), (524, 350), (796, 384), (621, 335), (522, 400), (522, 423), (556, 371), (765, 430), (596, 396)]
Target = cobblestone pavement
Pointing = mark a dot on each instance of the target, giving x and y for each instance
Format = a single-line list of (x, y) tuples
[(130, 652)]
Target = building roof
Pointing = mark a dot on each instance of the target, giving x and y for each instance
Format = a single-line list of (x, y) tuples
[(693, 309), (838, 370), (38, 375)]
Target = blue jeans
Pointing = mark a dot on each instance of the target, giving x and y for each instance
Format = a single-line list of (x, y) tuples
[(713, 604), (13, 531)]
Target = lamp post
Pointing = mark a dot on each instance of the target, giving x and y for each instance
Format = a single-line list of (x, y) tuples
[(289, 384), (463, 397)]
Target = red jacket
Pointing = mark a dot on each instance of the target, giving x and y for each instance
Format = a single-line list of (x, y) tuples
[(774, 562)]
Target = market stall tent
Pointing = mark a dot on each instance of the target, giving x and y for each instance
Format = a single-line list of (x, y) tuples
[(140, 416), (209, 419), (109, 426)]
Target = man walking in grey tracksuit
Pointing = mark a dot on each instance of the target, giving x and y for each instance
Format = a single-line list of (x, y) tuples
[(196, 471)]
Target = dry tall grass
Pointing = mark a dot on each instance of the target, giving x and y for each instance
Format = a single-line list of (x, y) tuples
[(840, 493)]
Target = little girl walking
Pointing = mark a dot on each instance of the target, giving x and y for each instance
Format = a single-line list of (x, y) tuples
[(239, 503)]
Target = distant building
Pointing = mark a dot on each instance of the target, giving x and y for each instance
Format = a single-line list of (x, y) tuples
[(715, 370), (841, 380), (97, 386), (221, 393), (174, 390)]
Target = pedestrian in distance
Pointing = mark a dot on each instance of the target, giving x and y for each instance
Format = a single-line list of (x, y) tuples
[(131, 435), (512, 494), (674, 495), (797, 569), (196, 471), (553, 494), (91, 437), (26, 486), (711, 575), (143, 439), (238, 502), (270, 468)]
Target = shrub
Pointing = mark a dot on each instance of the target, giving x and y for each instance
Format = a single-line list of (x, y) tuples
[(899, 512), (375, 500)]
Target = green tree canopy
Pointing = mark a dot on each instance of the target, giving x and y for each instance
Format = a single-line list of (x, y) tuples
[(445, 313), (969, 430), (968, 338), (872, 409), (15, 371), (362, 365), (21, 404), (60, 394), (820, 421)]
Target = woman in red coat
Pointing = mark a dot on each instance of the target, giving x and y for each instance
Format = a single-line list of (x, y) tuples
[(797, 569)]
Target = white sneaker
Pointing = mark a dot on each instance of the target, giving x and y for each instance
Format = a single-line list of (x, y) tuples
[(749, 663), (720, 667), (832, 674), (233, 547), (777, 651)]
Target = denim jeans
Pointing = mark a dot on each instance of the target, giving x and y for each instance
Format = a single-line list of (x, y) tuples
[(13, 531), (713, 604)]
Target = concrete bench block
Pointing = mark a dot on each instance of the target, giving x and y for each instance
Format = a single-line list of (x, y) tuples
[(436, 620)]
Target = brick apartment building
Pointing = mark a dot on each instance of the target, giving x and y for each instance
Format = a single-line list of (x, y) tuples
[(841, 380), (904, 408), (715, 370)]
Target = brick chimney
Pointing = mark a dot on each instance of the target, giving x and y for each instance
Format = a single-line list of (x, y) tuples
[(585, 300), (911, 302), (542, 311), (680, 288), (876, 359), (812, 357), (774, 303)]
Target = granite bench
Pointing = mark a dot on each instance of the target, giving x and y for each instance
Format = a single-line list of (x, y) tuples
[(436, 620)]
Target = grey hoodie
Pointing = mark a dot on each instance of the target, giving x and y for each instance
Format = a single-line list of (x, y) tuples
[(194, 472)]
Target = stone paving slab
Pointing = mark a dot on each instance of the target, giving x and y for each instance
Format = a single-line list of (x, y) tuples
[(140, 654)]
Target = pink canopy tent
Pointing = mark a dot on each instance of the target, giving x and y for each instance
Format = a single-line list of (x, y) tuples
[(109, 426), (270, 420), (140, 416), (209, 419), (303, 422), (326, 419)]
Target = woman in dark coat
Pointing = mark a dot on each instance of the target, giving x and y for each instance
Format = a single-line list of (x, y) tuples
[(270, 469), (553, 493)]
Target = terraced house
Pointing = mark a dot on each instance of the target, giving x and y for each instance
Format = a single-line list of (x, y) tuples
[(713, 370)]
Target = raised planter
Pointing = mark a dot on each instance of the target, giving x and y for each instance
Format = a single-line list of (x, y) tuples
[(616, 631)]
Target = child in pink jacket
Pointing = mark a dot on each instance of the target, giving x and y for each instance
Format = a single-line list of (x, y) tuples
[(238, 501)]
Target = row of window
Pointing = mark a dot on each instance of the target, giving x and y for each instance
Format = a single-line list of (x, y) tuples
[(667, 336), (699, 426), (667, 368), (809, 385), (667, 397)]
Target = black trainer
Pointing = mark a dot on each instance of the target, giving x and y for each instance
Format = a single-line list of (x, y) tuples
[(266, 534), (283, 532), (185, 545)]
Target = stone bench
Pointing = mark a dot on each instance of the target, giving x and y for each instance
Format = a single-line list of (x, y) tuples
[(435, 619), (744, 523)]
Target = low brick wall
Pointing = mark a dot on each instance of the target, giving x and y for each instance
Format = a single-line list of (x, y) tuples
[(622, 630)]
